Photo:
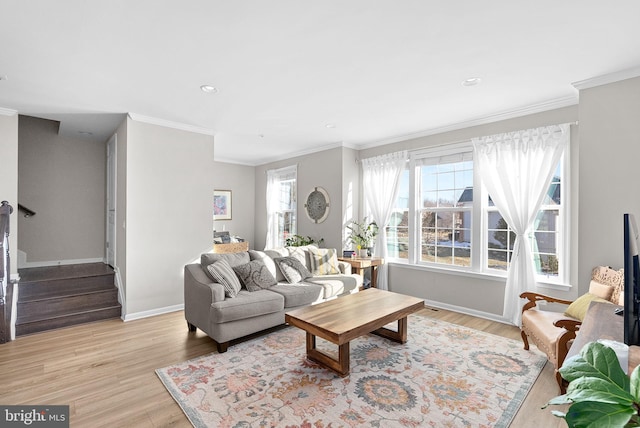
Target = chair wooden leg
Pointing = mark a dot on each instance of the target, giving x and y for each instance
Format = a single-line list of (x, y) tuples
[(524, 340), (561, 383), (191, 327)]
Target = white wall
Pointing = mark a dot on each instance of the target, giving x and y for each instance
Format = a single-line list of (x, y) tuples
[(609, 172), (169, 185), (63, 180), (9, 177)]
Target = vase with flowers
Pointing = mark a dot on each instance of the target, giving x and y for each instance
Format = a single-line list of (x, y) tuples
[(363, 235)]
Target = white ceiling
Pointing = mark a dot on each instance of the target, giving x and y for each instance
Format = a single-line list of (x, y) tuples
[(376, 70)]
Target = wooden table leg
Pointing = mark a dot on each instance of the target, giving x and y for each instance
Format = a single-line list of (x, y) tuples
[(374, 276), (399, 336), (340, 366)]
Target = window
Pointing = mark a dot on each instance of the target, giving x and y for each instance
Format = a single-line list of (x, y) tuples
[(446, 208), (440, 218), (281, 205)]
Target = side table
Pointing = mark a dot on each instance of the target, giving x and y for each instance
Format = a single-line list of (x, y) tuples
[(358, 265)]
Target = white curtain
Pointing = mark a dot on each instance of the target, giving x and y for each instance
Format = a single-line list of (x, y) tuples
[(273, 184), (380, 176), (517, 168)]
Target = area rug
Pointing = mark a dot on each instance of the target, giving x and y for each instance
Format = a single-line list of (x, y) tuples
[(444, 376)]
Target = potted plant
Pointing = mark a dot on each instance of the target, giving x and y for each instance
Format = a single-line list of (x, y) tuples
[(363, 235), (600, 394)]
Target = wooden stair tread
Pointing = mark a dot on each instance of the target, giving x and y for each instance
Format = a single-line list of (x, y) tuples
[(52, 316), (61, 296), (48, 273)]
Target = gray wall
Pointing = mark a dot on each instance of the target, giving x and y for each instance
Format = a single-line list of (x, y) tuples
[(240, 180), (9, 177), (63, 180), (609, 172), (323, 169)]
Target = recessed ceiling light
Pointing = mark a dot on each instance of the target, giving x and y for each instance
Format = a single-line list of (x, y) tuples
[(472, 81), (209, 89), (330, 125), (85, 133)]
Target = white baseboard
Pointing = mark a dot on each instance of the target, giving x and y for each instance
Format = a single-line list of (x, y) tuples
[(467, 311), (153, 312), (25, 264)]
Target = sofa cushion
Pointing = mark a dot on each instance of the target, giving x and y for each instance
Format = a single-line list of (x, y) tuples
[(274, 253), (255, 275), (299, 294), (266, 259), (234, 259), (335, 285), (222, 273), (324, 261), (247, 305), (302, 254), (292, 269)]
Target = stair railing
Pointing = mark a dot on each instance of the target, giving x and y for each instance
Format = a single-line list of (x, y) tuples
[(6, 291), (26, 211)]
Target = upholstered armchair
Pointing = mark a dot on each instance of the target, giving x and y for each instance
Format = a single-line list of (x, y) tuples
[(553, 332)]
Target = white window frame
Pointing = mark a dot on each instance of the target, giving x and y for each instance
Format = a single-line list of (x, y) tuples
[(479, 225), (289, 173)]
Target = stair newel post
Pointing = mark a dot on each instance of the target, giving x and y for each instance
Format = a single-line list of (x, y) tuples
[(6, 291)]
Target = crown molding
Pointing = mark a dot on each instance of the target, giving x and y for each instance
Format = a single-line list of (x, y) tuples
[(7, 112), (169, 124), (329, 146), (509, 114), (629, 73)]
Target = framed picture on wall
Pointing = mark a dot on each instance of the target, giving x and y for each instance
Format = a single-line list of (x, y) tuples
[(222, 204)]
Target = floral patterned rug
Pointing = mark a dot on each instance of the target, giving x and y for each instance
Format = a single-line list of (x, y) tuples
[(444, 376)]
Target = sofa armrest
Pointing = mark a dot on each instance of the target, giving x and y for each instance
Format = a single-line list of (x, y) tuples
[(344, 267), (199, 293)]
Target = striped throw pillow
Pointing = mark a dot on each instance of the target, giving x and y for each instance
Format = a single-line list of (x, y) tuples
[(324, 261), (223, 273)]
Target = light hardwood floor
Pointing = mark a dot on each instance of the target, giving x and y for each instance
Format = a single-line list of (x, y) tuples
[(105, 370)]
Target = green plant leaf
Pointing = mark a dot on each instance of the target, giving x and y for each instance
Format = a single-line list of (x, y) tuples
[(558, 401), (635, 384), (598, 390), (596, 361), (597, 415)]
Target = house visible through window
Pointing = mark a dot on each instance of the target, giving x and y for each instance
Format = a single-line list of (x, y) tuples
[(439, 209)]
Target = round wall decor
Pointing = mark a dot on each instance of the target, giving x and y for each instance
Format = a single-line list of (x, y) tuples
[(317, 205)]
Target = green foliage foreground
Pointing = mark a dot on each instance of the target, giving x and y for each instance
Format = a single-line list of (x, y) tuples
[(599, 392)]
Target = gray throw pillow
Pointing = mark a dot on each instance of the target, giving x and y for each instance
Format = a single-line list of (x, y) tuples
[(222, 272), (292, 269), (255, 275)]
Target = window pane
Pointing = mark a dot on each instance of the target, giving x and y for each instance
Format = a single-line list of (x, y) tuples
[(446, 237), (500, 239), (398, 229)]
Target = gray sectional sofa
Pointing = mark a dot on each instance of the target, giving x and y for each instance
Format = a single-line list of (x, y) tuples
[(279, 280)]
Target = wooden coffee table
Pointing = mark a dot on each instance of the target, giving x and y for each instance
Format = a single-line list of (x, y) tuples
[(343, 319)]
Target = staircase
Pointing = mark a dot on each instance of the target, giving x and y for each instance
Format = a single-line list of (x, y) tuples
[(62, 296)]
